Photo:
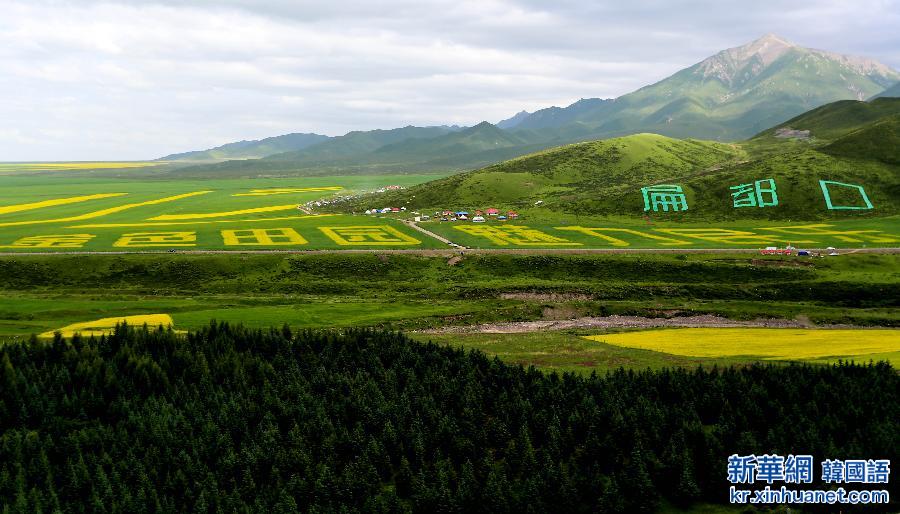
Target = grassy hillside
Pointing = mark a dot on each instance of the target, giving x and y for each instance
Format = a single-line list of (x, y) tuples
[(837, 119), (797, 173), (879, 141), (849, 142), (575, 172)]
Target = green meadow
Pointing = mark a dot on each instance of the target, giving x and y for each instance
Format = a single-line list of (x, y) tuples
[(59, 211), (585, 351), (537, 229), (72, 209), (43, 293)]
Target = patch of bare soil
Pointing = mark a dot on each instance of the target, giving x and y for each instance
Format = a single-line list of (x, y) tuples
[(703, 321)]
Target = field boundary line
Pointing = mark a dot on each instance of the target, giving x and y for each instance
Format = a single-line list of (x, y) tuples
[(448, 251), (415, 226)]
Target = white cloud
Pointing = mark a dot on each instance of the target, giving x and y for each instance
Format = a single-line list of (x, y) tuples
[(138, 79)]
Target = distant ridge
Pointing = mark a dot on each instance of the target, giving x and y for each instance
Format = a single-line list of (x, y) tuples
[(254, 149), (515, 120), (891, 92), (729, 96)]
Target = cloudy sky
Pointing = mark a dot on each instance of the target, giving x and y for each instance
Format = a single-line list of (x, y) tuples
[(84, 80)]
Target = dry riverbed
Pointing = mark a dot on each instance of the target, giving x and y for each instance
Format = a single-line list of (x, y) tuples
[(607, 322)]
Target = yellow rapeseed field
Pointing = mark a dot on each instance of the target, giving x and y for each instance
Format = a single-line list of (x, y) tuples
[(287, 191), (6, 209), (197, 216), (66, 166), (762, 343), (106, 325), (105, 212)]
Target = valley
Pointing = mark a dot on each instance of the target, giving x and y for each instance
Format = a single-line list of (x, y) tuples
[(591, 307)]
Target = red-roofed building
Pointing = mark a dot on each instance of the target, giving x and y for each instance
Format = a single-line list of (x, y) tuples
[(492, 211), (512, 215)]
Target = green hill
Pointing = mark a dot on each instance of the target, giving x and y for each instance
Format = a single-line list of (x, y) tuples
[(839, 118), (251, 149), (879, 141), (576, 173), (605, 177), (891, 92)]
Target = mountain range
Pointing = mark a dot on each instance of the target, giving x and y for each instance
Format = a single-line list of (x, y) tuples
[(729, 96), (891, 92), (253, 149), (848, 141)]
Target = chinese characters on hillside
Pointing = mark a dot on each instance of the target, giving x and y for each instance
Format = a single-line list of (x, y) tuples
[(664, 197), (757, 194), (760, 193)]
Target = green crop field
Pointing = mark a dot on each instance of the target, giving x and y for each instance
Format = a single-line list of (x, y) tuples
[(31, 167), (43, 293), (538, 230), (54, 207), (55, 211)]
